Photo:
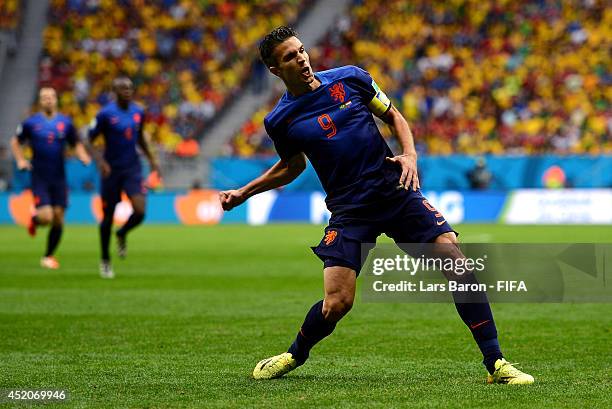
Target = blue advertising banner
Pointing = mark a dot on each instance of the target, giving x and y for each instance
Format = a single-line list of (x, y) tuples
[(202, 207), (450, 172)]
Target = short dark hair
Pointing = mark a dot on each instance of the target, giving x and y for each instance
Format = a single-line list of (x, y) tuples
[(270, 41), (121, 78)]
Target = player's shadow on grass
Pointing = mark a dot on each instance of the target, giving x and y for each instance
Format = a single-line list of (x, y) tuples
[(287, 378)]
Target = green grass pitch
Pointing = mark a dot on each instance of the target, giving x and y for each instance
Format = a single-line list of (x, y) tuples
[(193, 309)]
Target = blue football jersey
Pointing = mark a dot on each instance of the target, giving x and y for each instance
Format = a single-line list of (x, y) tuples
[(121, 129), (47, 137), (334, 127)]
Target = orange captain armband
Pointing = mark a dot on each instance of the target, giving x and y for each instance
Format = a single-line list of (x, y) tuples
[(380, 104)]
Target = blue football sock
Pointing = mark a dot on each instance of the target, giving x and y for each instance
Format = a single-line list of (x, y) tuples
[(55, 234), (314, 329), (134, 220), (105, 233), (477, 315)]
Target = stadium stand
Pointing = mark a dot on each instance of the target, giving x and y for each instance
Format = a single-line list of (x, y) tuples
[(10, 14), (478, 77), (187, 58)]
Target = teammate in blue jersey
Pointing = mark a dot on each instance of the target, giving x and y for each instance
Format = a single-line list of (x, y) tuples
[(328, 117), (121, 123), (47, 133)]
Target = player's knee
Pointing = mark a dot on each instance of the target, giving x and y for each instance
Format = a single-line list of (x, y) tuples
[(58, 217), (138, 206), (140, 214), (449, 245), (447, 238), (44, 217), (337, 306), (107, 220)]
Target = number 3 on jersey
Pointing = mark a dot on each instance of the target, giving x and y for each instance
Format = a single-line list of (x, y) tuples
[(327, 124)]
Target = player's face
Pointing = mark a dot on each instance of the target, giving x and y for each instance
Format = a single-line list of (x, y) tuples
[(124, 90), (48, 100), (293, 63)]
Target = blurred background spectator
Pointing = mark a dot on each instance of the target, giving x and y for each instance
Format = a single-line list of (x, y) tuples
[(11, 13), (480, 177), (554, 178)]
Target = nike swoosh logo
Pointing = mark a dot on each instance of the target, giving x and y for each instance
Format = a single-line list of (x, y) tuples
[(474, 326), (441, 223), (264, 364)]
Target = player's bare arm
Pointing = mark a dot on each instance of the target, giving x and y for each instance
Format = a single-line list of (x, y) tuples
[(22, 162), (143, 138), (81, 153), (408, 159), (97, 156), (280, 174)]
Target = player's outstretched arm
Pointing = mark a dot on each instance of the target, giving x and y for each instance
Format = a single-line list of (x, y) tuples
[(408, 159), (281, 173), (22, 163)]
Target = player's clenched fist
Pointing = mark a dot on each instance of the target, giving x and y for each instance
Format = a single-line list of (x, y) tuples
[(231, 198)]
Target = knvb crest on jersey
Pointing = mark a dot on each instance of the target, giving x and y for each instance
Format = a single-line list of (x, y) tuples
[(337, 92), (330, 236), (61, 127)]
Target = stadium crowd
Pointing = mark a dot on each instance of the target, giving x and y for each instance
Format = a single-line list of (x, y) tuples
[(478, 76), (10, 14), (187, 58)]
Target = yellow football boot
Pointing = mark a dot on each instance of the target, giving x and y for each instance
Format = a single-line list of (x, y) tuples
[(505, 373), (274, 367)]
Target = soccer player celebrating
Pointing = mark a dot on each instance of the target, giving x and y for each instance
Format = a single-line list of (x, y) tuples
[(121, 122), (47, 132), (327, 117)]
